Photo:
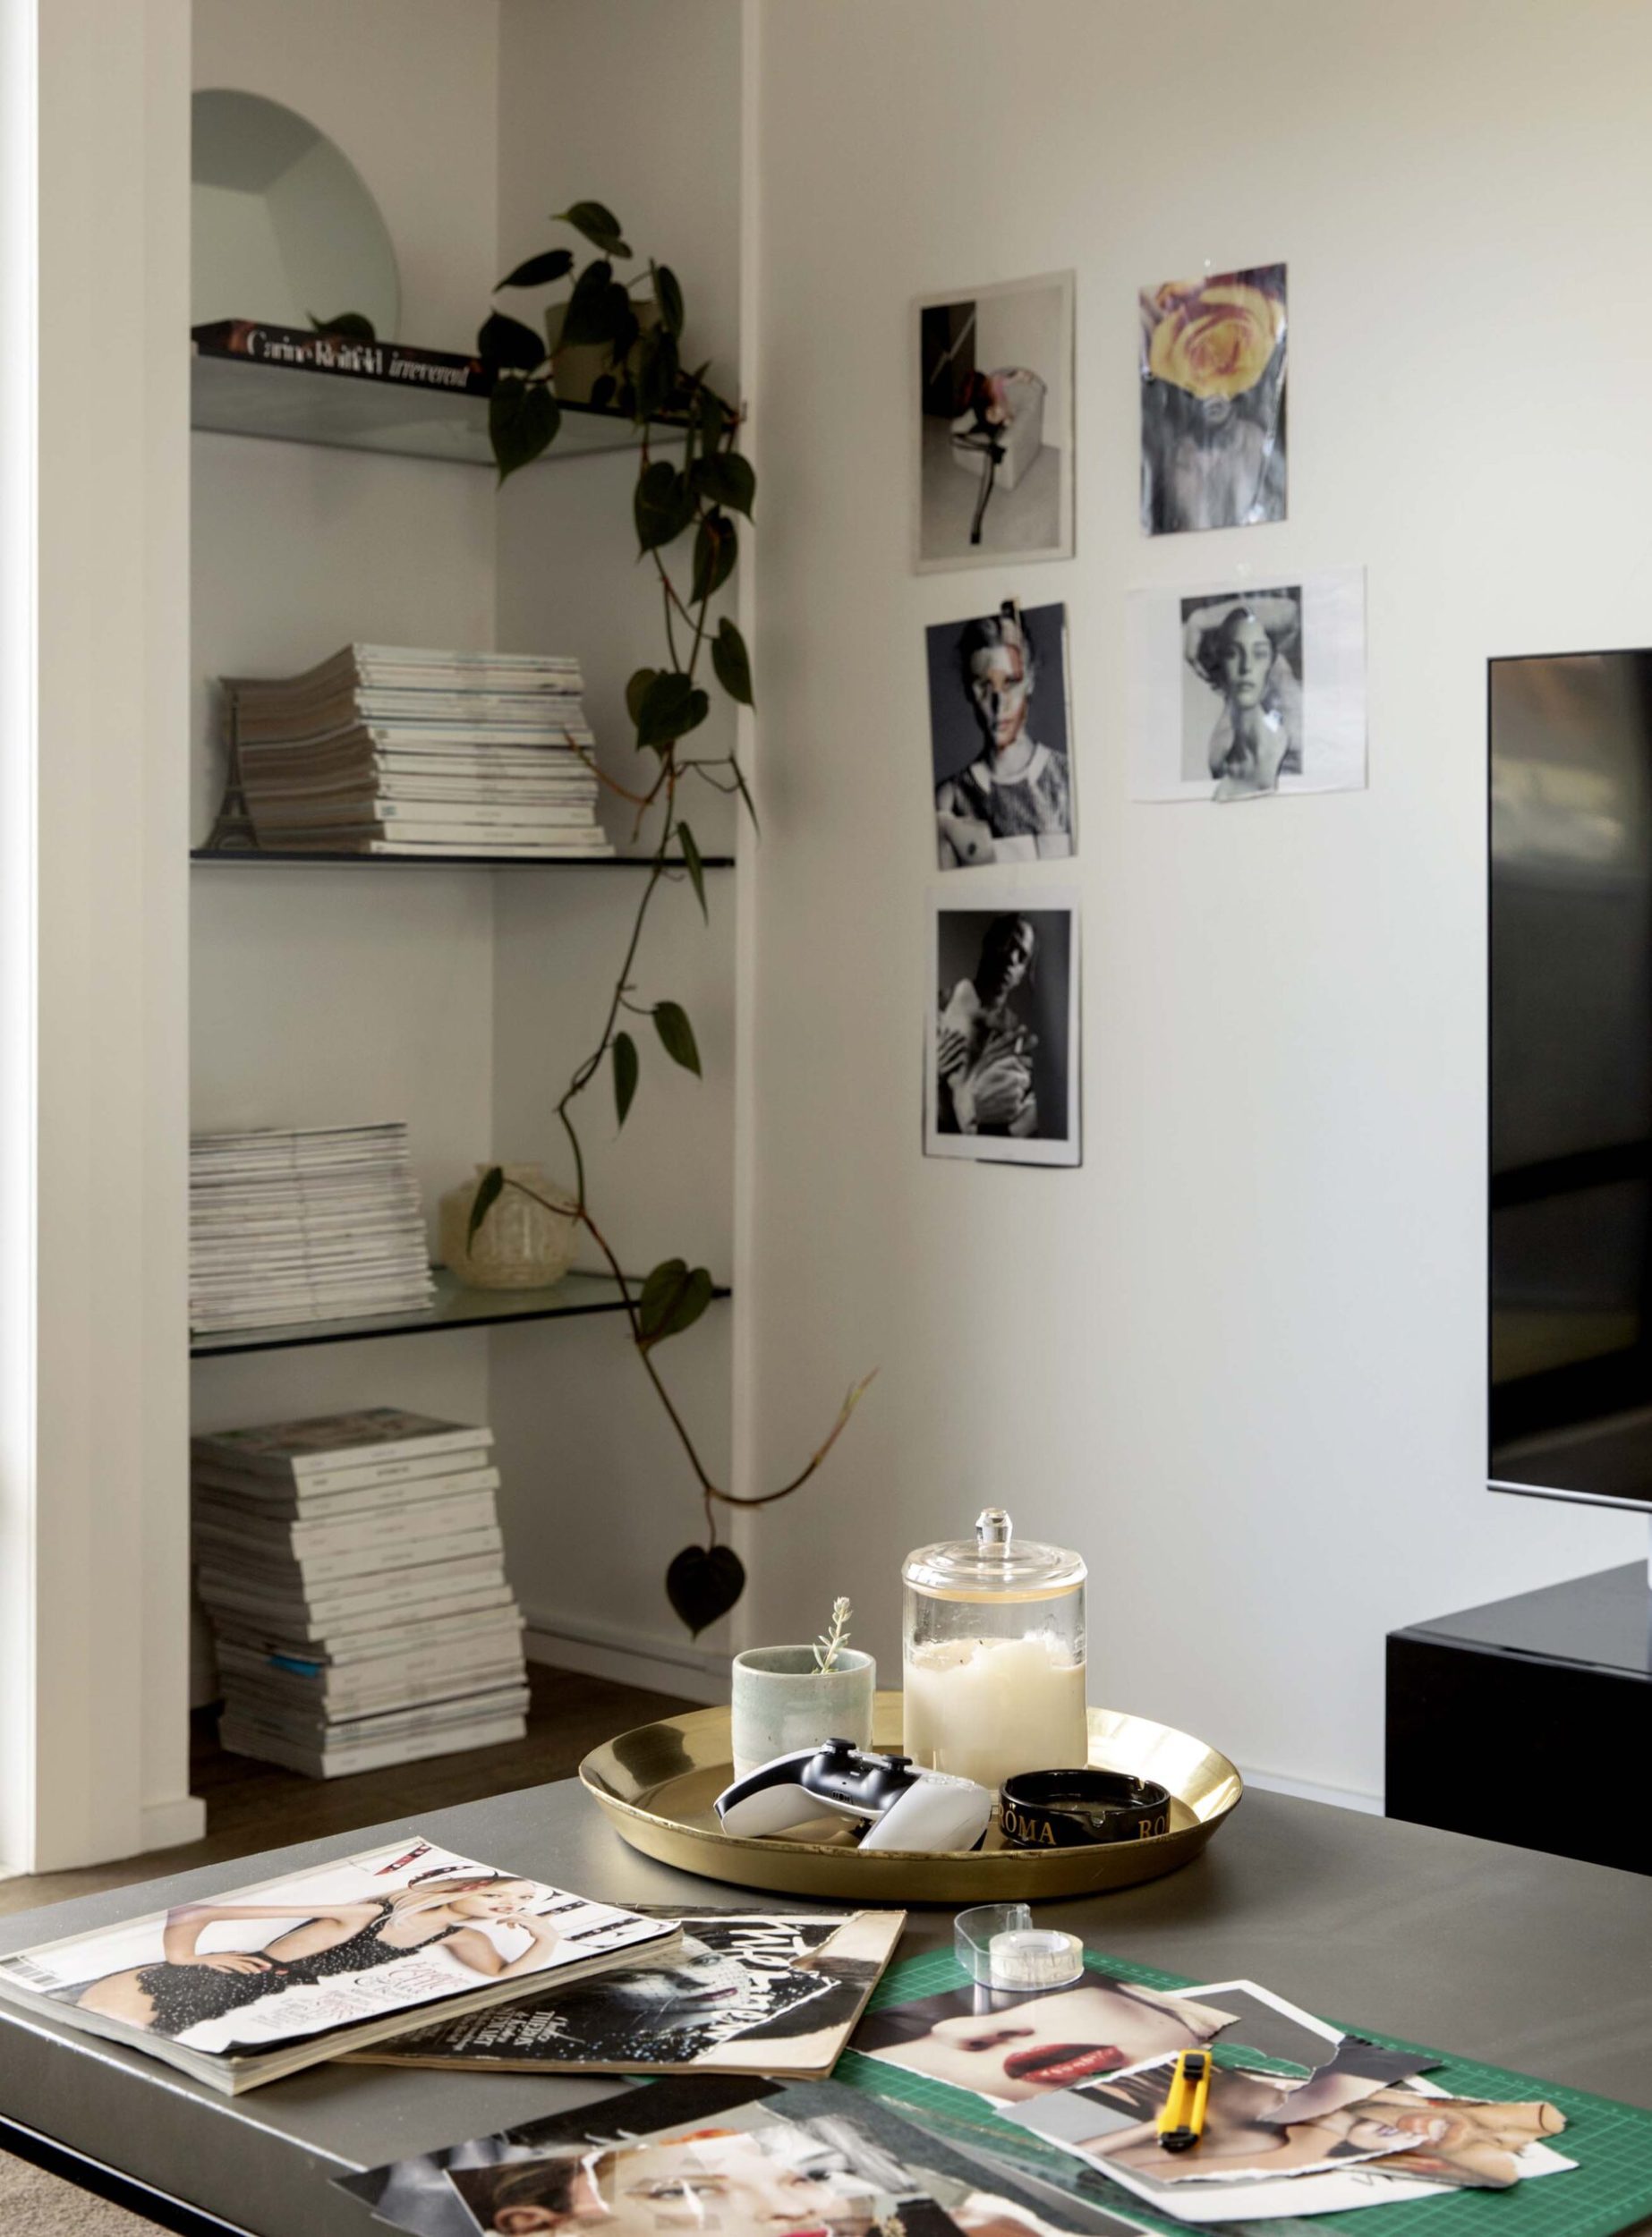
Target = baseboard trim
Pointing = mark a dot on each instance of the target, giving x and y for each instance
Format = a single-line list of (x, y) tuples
[(169, 1824), (664, 1665), (1306, 1791)]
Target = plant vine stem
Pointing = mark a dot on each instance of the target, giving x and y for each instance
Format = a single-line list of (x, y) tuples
[(710, 1492), (708, 1488)]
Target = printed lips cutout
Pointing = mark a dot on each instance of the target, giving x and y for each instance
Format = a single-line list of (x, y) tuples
[(1213, 339), (1058, 2065)]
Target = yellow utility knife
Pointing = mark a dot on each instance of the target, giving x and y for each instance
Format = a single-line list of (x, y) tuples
[(1181, 2123)]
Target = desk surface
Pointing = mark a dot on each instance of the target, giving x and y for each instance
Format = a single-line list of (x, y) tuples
[(1524, 1960)]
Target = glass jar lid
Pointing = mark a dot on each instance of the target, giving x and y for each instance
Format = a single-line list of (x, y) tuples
[(993, 1565)]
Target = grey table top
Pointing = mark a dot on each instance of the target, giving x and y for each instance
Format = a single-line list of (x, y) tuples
[(1530, 1961)]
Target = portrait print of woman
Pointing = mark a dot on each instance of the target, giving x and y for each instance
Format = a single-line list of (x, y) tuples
[(458, 1912), (1007, 2047), (1245, 730), (999, 745), (1235, 691), (779, 2180), (1251, 2127)]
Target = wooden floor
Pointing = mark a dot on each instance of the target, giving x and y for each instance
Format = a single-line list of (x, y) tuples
[(252, 1805)]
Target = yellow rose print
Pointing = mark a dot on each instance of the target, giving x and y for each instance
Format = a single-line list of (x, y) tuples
[(1214, 340)]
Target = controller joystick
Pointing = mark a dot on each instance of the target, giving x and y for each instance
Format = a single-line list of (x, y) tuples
[(901, 1805)]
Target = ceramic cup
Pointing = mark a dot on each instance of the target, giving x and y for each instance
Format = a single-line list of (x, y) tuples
[(781, 1702)]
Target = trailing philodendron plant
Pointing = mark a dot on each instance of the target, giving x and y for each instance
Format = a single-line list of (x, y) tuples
[(637, 326)]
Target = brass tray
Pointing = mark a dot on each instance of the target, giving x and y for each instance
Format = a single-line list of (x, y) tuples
[(656, 1784)]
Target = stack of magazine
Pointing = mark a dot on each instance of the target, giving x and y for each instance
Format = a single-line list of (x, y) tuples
[(239, 1988), (293, 1225), (399, 750), (354, 1571)]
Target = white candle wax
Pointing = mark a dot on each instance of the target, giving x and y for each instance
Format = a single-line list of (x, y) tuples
[(987, 1708)]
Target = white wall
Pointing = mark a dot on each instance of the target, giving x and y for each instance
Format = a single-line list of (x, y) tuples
[(1238, 1357), (96, 1676), (636, 105)]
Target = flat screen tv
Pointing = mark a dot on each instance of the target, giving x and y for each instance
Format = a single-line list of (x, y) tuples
[(1570, 1195)]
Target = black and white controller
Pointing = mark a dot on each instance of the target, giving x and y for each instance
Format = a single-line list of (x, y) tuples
[(901, 1805)]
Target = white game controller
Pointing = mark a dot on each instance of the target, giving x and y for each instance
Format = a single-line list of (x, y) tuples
[(901, 1805)]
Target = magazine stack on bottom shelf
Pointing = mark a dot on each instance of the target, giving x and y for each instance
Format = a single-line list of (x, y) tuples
[(354, 1571), (291, 1226), (401, 750)]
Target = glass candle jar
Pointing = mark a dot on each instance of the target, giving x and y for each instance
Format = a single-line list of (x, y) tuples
[(993, 1656), (521, 1245)]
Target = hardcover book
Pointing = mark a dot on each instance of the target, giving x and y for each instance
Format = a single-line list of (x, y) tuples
[(392, 361)]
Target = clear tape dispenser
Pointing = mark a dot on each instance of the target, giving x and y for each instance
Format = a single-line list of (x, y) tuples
[(999, 1947)]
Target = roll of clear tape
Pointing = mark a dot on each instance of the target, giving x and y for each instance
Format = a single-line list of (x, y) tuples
[(999, 1946)]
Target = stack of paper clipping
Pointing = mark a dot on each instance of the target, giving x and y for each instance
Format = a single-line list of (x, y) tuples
[(354, 1571), (292, 1225), (397, 750)]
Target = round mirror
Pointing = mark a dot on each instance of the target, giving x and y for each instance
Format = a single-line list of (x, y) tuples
[(284, 230)]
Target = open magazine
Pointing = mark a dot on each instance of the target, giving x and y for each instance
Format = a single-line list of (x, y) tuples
[(744, 1993), (744, 2158), (239, 1988)]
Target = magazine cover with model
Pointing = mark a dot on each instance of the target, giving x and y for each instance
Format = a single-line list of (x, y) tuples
[(710, 2152), (744, 1993), (241, 1988)]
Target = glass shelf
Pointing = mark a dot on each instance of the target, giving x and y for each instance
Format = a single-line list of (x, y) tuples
[(268, 857), (455, 1306), (292, 403)]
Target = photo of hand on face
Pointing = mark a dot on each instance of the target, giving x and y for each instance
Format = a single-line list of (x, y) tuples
[(984, 1051), (1247, 652)]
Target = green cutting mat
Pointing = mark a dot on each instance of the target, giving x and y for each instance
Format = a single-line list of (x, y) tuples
[(1608, 2191)]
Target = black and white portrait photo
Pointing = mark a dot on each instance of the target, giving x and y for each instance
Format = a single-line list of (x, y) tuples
[(1001, 1052), (1213, 381), (1242, 662), (1000, 751), (994, 381), (1243, 693)]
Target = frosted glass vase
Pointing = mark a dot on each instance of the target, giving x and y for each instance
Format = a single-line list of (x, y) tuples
[(521, 1245)]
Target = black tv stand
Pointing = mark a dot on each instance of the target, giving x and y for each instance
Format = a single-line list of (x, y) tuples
[(1530, 1720)]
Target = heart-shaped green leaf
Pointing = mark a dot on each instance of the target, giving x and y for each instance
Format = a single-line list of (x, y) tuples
[(670, 708), (695, 867), (732, 662), (704, 1583), (739, 775), (587, 318), (599, 225), (663, 507), (668, 295), (503, 342), (523, 420), (487, 1196), (727, 478), (716, 547), (671, 1024), (636, 691), (674, 1297), (540, 271), (626, 1069)]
